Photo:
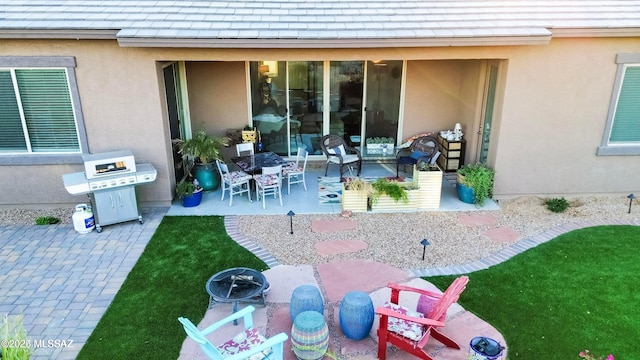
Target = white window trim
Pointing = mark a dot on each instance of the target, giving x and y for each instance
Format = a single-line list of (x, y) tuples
[(68, 62), (606, 148)]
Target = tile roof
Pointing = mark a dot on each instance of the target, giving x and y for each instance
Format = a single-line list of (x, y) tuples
[(288, 23)]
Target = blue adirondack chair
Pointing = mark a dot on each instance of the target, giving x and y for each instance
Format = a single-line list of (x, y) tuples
[(249, 344)]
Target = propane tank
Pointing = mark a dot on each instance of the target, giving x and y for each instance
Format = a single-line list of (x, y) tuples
[(83, 221)]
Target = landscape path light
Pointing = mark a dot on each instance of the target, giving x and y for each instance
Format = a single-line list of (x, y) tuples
[(424, 244), (290, 214), (631, 197)]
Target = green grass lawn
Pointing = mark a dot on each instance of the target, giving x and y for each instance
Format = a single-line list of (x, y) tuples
[(575, 292), (168, 281)]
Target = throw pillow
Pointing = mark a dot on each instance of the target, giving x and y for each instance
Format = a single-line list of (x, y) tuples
[(418, 154)]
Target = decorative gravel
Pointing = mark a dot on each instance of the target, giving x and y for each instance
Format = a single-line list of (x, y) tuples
[(394, 238), (19, 217)]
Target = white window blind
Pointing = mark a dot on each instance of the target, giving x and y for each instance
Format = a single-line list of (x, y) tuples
[(626, 122), (46, 123)]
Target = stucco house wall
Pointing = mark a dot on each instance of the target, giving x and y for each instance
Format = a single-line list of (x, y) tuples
[(556, 99), (551, 108), (120, 101)]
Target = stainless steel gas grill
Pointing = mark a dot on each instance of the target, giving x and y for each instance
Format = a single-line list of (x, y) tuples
[(109, 179)]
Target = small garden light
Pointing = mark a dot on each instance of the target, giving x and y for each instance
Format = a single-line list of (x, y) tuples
[(424, 244), (631, 197), (290, 214)]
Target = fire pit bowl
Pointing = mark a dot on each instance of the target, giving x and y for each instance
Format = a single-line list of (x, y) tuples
[(235, 285)]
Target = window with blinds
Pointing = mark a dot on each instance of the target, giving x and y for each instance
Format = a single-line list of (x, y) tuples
[(36, 112), (626, 120)]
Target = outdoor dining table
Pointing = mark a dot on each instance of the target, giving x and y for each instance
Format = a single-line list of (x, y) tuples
[(253, 164)]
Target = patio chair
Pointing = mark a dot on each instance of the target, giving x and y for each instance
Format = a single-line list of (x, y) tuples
[(269, 183), (233, 182), (244, 149), (248, 344), (410, 330), (421, 149), (293, 172), (338, 152)]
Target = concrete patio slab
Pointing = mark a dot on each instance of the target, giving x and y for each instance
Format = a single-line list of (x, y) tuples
[(281, 322), (285, 278), (462, 326), (335, 247), (501, 235), (340, 277), (318, 226), (477, 220)]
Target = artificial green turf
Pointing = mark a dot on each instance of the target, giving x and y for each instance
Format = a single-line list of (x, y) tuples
[(575, 292), (168, 281)]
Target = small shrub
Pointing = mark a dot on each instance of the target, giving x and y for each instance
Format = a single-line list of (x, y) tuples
[(13, 331), (390, 188), (557, 205), (47, 220)]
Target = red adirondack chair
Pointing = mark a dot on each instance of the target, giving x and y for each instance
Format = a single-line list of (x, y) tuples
[(409, 330)]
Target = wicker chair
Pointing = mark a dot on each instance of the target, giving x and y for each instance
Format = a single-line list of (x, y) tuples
[(338, 152), (423, 148)]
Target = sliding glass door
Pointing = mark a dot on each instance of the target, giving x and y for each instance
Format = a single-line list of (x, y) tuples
[(384, 82), (305, 105), (295, 103), (346, 91)]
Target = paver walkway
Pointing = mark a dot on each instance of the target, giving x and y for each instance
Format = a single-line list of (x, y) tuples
[(63, 282)]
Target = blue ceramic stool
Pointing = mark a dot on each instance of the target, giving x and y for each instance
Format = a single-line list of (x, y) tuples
[(356, 315), (305, 298)]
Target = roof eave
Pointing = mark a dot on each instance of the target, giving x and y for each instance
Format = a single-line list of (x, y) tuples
[(332, 43), (77, 34), (596, 32)]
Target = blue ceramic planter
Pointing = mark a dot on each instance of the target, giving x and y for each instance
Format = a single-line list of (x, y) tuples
[(465, 193), (192, 200), (207, 176)]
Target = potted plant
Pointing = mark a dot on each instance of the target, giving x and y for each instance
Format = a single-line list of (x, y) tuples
[(392, 195), (379, 143), (428, 178), (202, 150), (189, 193), (475, 183), (249, 134), (355, 193)]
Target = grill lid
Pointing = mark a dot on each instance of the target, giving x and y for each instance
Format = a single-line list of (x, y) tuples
[(108, 164)]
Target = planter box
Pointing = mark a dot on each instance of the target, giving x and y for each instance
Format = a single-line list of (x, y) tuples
[(354, 200), (429, 188), (385, 203), (379, 147)]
